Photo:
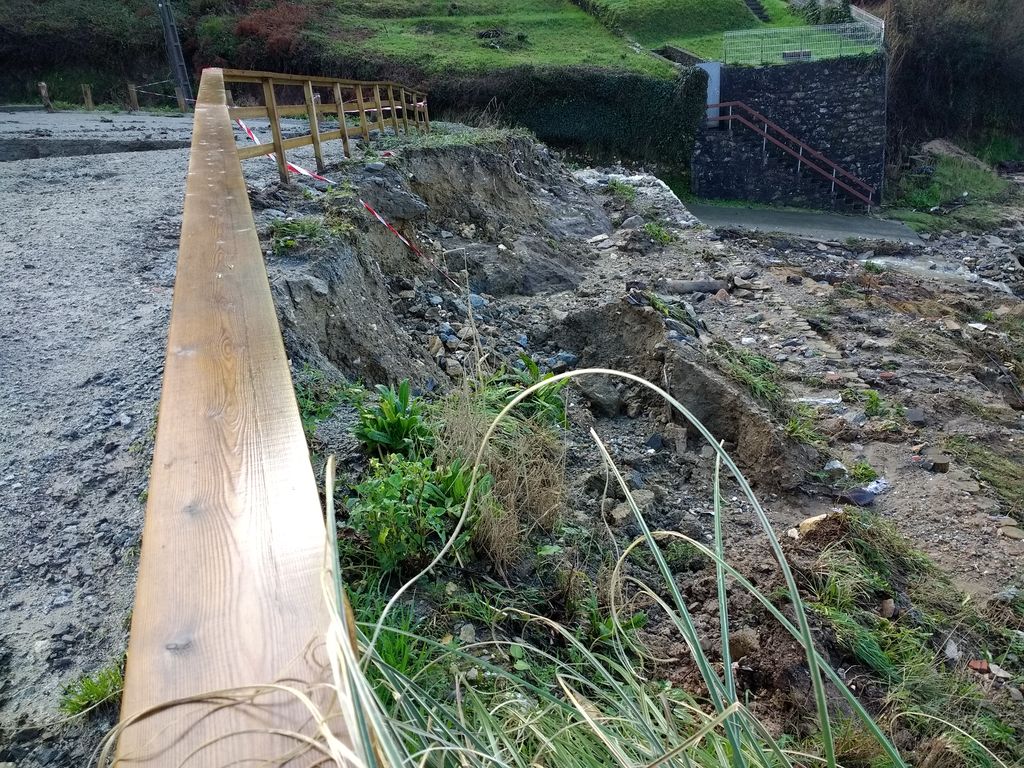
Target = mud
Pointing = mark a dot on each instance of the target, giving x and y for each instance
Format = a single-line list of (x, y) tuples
[(32, 149)]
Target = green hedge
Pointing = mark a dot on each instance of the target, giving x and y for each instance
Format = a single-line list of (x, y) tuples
[(606, 114)]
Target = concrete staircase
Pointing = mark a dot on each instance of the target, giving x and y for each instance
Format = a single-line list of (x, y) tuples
[(757, 9)]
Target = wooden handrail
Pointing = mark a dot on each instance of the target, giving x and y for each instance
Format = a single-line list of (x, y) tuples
[(233, 549), (370, 97), (869, 189)]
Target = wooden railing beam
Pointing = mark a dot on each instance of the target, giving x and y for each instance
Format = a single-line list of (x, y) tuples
[(229, 589)]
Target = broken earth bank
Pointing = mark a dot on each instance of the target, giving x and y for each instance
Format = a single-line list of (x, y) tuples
[(791, 352)]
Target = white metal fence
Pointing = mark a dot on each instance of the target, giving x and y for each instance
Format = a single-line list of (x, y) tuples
[(785, 45), (859, 14)]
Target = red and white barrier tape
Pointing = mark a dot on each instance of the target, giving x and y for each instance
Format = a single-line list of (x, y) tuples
[(290, 166), (408, 244), (297, 169)]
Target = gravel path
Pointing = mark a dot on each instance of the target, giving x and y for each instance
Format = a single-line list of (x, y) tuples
[(87, 253)]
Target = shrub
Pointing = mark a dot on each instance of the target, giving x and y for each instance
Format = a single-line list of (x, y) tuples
[(395, 424), (407, 508), (604, 113)]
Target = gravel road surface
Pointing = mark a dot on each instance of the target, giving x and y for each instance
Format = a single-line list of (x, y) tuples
[(87, 253)]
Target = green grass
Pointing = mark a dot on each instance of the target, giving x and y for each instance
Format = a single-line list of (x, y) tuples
[(622, 191), (997, 147), (708, 43), (759, 374), (655, 22), (801, 427), (1005, 474), (863, 472), (658, 233), (432, 36), (440, 137), (953, 181), (90, 691)]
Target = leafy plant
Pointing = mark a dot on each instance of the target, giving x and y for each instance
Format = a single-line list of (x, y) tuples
[(547, 406), (395, 424), (873, 405), (406, 508), (658, 233), (90, 691)]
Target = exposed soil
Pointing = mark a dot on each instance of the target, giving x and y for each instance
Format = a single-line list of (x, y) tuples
[(551, 265), (839, 333)]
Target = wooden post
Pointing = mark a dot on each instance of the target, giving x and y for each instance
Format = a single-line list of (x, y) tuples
[(87, 96), (275, 128), (416, 112), (362, 113), (405, 109), (44, 94), (394, 109), (379, 125), (342, 125), (182, 104), (229, 99), (426, 112), (314, 125), (133, 98)]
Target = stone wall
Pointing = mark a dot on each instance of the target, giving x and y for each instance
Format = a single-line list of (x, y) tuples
[(835, 106)]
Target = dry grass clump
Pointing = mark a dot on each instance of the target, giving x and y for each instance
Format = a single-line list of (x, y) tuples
[(526, 458)]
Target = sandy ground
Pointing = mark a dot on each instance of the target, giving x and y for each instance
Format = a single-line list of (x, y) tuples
[(87, 253), (88, 246)]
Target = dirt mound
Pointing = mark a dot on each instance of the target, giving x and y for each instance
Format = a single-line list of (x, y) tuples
[(502, 216), (634, 339)]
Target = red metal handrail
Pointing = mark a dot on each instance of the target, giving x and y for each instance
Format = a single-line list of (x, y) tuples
[(866, 192)]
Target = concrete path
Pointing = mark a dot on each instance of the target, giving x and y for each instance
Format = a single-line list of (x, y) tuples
[(815, 224)]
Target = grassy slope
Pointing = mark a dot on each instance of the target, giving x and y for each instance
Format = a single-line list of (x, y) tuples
[(709, 45), (951, 182), (535, 32), (652, 22)]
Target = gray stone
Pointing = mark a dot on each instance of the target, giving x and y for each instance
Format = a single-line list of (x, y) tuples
[(693, 286), (835, 470), (377, 166), (633, 222), (644, 501), (603, 394), (916, 417)]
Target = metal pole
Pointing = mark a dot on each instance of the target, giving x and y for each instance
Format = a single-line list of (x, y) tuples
[(833, 181), (800, 160), (175, 56)]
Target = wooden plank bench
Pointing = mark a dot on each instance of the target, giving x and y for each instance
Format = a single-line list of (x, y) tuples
[(229, 588)]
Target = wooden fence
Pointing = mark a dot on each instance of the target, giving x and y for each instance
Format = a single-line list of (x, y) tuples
[(375, 105), (233, 549)]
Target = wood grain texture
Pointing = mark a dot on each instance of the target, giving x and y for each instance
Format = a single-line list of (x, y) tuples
[(229, 587)]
